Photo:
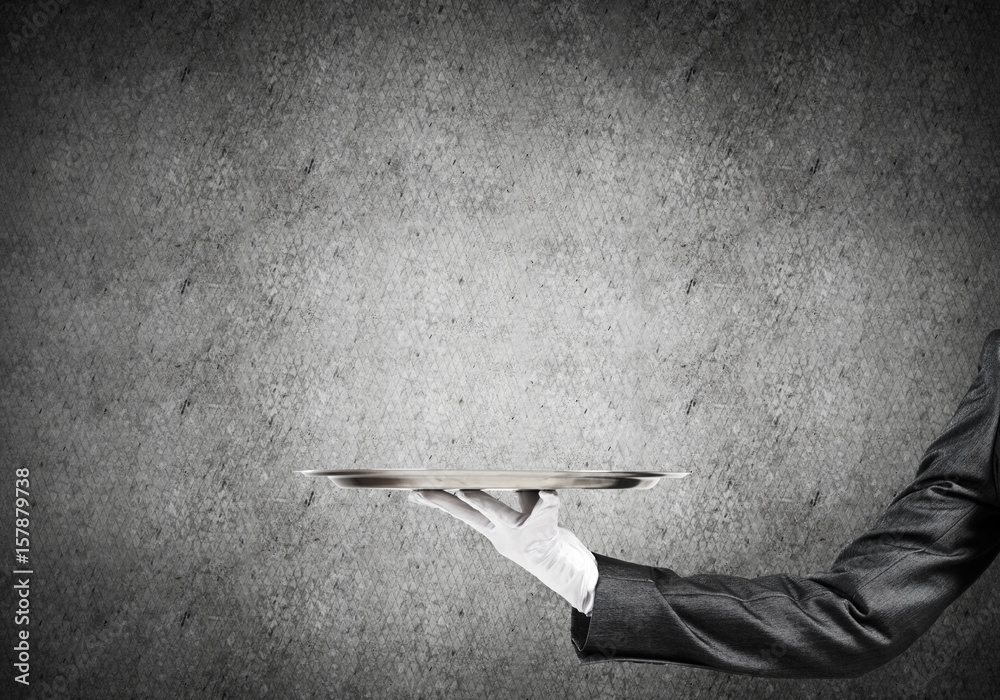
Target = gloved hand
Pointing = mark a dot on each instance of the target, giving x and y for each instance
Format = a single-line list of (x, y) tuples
[(532, 538)]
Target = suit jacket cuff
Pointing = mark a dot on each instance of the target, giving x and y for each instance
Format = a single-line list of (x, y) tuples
[(627, 621)]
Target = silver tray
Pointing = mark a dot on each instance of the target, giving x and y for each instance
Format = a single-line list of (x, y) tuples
[(451, 479)]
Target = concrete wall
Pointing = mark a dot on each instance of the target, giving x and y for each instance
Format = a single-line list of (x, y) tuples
[(753, 240)]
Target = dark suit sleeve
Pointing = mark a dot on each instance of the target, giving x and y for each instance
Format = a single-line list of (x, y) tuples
[(882, 592)]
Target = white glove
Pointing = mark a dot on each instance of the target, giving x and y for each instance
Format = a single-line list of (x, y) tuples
[(531, 539)]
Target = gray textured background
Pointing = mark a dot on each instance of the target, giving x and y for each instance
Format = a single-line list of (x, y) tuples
[(747, 239)]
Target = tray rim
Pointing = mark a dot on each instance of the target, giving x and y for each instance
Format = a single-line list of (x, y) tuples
[(491, 480)]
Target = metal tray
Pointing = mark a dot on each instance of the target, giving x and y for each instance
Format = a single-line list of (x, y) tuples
[(451, 479)]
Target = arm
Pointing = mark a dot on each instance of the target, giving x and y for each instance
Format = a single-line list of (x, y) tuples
[(883, 591)]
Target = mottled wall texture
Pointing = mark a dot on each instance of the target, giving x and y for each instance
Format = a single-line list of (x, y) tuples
[(754, 240)]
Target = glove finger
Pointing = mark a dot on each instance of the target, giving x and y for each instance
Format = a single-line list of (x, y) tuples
[(548, 499), (547, 508), (490, 507), (454, 507)]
